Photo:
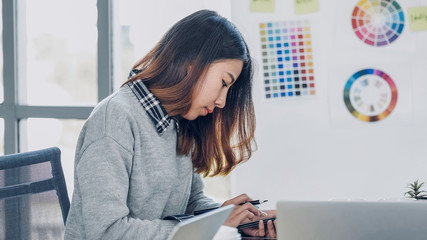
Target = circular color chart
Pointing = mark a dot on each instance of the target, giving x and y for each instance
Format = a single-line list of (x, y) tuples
[(370, 95), (378, 22)]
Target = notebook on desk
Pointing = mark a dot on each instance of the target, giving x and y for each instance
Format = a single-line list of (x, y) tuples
[(203, 226), (349, 220)]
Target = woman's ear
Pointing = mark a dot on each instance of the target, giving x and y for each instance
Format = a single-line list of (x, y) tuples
[(189, 69)]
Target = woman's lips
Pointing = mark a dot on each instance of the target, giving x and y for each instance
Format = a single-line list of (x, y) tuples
[(207, 111)]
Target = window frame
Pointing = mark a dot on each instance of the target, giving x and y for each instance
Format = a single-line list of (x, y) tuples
[(12, 111)]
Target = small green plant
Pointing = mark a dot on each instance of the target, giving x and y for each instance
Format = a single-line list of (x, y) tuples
[(416, 191)]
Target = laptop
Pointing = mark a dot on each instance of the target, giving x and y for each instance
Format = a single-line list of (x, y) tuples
[(203, 226), (348, 220)]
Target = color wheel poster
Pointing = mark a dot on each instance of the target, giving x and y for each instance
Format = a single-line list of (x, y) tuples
[(380, 25), (377, 94)]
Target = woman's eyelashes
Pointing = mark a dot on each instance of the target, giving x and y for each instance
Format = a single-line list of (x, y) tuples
[(224, 84)]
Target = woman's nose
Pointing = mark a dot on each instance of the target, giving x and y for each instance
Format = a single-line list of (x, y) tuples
[(220, 101)]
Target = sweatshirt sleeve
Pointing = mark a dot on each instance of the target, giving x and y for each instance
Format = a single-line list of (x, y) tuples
[(198, 200), (103, 178)]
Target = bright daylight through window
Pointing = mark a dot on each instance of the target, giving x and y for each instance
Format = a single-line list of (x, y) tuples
[(61, 66)]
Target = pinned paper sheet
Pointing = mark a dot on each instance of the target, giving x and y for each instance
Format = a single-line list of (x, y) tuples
[(306, 6), (418, 18), (287, 60), (262, 5)]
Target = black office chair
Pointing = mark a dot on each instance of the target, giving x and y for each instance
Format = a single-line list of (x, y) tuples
[(14, 192)]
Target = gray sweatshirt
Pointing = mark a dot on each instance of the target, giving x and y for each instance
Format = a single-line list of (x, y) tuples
[(128, 177)]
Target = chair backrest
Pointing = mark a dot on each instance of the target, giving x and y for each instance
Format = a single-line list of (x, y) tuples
[(56, 182)]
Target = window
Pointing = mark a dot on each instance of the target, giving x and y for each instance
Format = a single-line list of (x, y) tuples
[(50, 89), (1, 136), (2, 218), (61, 66), (1, 57), (47, 132)]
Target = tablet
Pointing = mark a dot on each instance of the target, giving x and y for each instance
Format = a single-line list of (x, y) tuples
[(203, 226)]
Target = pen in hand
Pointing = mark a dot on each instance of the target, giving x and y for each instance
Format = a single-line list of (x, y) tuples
[(254, 202)]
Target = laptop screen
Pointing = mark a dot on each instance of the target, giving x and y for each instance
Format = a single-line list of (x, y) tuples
[(352, 220)]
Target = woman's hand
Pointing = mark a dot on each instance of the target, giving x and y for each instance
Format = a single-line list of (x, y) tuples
[(242, 213), (261, 231)]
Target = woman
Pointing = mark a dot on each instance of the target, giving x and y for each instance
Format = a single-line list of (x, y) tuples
[(186, 111)]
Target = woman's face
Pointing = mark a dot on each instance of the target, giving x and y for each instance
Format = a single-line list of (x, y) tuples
[(213, 87)]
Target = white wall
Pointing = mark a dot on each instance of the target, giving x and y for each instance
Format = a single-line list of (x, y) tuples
[(312, 148)]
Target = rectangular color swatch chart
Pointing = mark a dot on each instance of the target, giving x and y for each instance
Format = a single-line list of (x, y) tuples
[(287, 59)]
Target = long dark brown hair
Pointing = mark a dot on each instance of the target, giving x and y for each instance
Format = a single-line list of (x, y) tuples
[(223, 139)]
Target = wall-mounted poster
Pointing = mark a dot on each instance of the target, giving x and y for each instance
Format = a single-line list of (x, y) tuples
[(374, 25), (378, 23), (287, 59), (370, 95), (379, 94)]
